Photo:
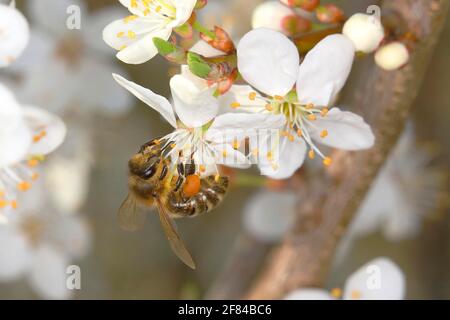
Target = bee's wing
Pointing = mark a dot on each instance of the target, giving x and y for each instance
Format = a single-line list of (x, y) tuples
[(131, 217), (176, 243)]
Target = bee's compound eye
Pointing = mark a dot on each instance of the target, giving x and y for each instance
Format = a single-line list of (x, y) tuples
[(192, 185)]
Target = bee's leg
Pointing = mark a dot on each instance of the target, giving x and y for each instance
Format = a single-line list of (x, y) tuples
[(190, 168), (164, 172), (179, 182), (180, 169), (149, 144)]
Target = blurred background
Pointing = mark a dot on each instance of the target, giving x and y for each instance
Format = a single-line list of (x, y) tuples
[(68, 72)]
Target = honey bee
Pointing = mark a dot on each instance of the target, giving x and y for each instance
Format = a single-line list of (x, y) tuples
[(175, 190)]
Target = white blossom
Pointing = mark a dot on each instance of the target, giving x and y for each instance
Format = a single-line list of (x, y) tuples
[(380, 279), (269, 62), (392, 56), (133, 35), (365, 31)]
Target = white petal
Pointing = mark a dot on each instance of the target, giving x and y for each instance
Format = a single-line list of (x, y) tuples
[(48, 274), (230, 157), (52, 15), (380, 279), (184, 9), (14, 34), (269, 215), (309, 294), (270, 14), (14, 253), (139, 48), (194, 105), (153, 100), (346, 131), (325, 70), (203, 48), (268, 61), (54, 127), (288, 158), (15, 137)]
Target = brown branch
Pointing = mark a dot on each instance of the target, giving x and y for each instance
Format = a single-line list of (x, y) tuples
[(304, 257)]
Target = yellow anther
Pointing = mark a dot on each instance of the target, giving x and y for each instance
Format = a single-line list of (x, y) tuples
[(336, 293), (327, 161), (158, 8), (146, 12), (32, 163), (120, 34), (2, 194), (38, 137), (355, 295), (255, 152), (284, 133), (252, 96), (309, 106), (122, 47), (224, 153), (34, 176), (269, 107), (324, 134), (202, 168), (24, 186), (217, 177), (3, 203), (235, 105), (14, 204), (129, 18), (131, 34), (311, 154), (324, 112), (300, 133), (236, 144), (133, 3), (279, 98), (312, 117), (291, 138), (269, 156)]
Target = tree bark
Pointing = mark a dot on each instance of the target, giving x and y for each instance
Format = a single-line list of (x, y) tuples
[(304, 257)]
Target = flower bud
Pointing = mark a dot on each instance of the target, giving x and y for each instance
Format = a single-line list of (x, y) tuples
[(329, 13), (365, 31), (308, 5), (270, 15), (392, 56), (295, 24)]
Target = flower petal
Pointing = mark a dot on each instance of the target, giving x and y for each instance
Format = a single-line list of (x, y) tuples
[(270, 15), (230, 157), (153, 100), (48, 274), (195, 105), (14, 253), (269, 215), (268, 61), (205, 49), (41, 121), (134, 38), (14, 34), (184, 9), (346, 131), (325, 70), (380, 279), (285, 161), (15, 137), (309, 294)]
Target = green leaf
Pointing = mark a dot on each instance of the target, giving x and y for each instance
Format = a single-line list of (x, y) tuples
[(164, 47), (197, 65)]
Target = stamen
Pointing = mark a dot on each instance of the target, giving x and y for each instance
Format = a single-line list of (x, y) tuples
[(252, 96), (324, 134), (235, 105), (355, 295), (236, 144), (336, 293), (120, 34), (131, 34), (269, 107), (324, 112), (312, 117), (310, 106), (269, 156), (311, 154), (24, 186), (327, 161), (279, 98)]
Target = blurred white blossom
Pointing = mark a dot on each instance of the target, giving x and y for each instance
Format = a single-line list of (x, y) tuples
[(365, 31), (380, 279), (27, 134), (69, 70), (14, 34), (392, 56)]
